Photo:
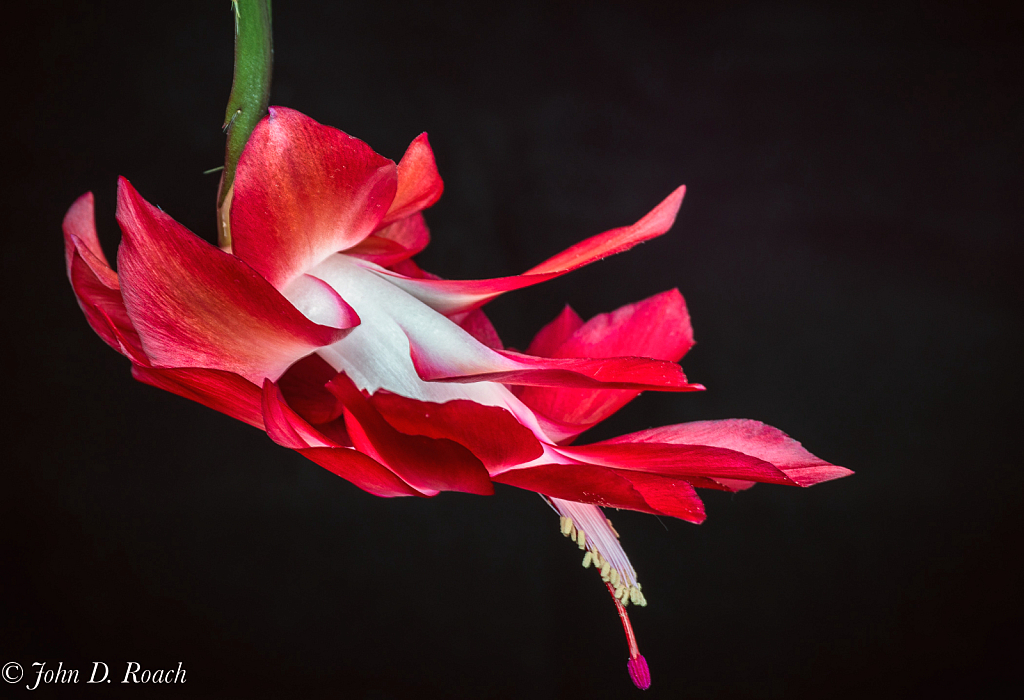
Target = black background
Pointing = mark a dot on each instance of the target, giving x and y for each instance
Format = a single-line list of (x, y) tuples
[(850, 249)]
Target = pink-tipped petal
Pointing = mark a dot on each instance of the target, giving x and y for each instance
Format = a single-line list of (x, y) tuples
[(748, 437), (302, 192), (287, 428), (427, 464), (657, 327), (419, 183), (491, 433), (480, 327), (194, 305), (453, 296), (318, 302), (222, 391), (394, 243)]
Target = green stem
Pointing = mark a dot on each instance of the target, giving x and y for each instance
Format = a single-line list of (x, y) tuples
[(250, 94)]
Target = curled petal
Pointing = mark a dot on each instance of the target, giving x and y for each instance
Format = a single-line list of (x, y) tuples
[(657, 327), (222, 391), (419, 183), (196, 306), (95, 285), (427, 464), (747, 437), (287, 428), (453, 296), (302, 192), (303, 387)]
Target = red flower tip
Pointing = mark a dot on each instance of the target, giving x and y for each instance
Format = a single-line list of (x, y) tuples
[(638, 672)]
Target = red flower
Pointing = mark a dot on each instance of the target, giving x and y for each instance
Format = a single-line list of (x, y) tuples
[(318, 328)]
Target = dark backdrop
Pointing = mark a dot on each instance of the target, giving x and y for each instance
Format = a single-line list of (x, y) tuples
[(850, 249)]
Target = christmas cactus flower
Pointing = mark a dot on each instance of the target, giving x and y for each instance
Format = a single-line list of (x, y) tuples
[(317, 327)]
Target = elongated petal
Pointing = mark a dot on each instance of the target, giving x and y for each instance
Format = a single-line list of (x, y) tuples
[(222, 391), (657, 327), (679, 461), (427, 464), (419, 183), (480, 327), (287, 428), (491, 433), (748, 437), (196, 306), (393, 243), (597, 485), (636, 373), (453, 296), (302, 192)]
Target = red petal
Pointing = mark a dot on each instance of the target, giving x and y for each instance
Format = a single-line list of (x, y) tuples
[(427, 464), (480, 327), (303, 389), (419, 183), (491, 433), (550, 337), (452, 296), (196, 306), (287, 428), (394, 243), (304, 191), (678, 461), (222, 391), (587, 483), (657, 327), (748, 437), (95, 285), (507, 367)]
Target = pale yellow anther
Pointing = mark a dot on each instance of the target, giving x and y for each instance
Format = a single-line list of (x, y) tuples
[(605, 568), (614, 577), (582, 539), (634, 595), (565, 524), (586, 560), (574, 535)]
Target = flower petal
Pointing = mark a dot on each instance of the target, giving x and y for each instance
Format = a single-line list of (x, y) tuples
[(287, 428), (427, 464), (303, 387), (393, 243), (748, 437), (95, 285), (597, 485), (550, 337), (419, 183), (196, 306), (507, 367), (657, 327), (453, 296), (222, 391), (302, 192), (491, 433)]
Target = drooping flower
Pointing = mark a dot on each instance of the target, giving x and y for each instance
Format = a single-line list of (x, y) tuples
[(318, 328)]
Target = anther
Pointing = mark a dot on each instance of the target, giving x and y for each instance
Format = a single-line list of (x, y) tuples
[(566, 525), (582, 540), (586, 560)]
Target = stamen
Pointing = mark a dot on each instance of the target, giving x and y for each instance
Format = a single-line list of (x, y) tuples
[(582, 539), (566, 525), (637, 664), (586, 559)]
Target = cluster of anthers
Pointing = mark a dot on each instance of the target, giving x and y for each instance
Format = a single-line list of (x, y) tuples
[(603, 552)]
